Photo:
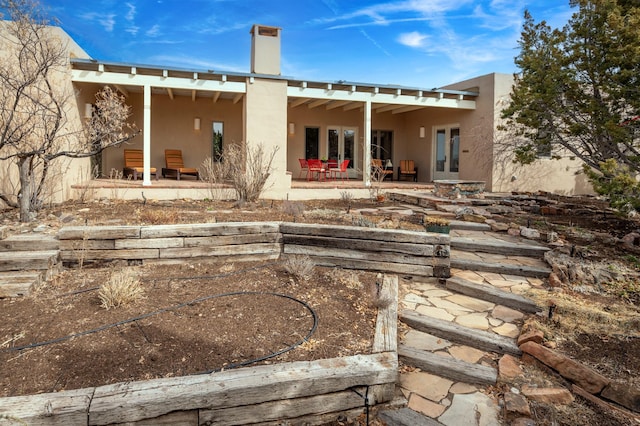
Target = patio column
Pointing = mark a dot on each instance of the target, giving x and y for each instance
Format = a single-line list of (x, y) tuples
[(366, 155), (146, 137)]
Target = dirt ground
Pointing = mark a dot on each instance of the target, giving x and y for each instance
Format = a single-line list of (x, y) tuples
[(601, 330), (192, 318)]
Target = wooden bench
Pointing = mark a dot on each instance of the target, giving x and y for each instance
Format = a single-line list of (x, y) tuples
[(134, 164), (408, 168), (175, 165)]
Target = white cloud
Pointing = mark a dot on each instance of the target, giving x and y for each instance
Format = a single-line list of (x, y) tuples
[(107, 21), (412, 39), (131, 14), (153, 31), (133, 30)]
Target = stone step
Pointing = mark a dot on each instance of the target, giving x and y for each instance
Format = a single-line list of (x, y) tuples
[(509, 265), (28, 260), (498, 246), (479, 339), (450, 368), (406, 417), (29, 242), (491, 294), (19, 283), (463, 225)]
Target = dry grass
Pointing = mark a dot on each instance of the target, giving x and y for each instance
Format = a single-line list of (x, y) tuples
[(576, 314), (158, 217), (300, 266), (122, 288), (347, 278)]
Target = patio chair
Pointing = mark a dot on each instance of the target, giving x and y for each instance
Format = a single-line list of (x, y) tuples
[(134, 165), (315, 166), (342, 170), (304, 167), (175, 165), (378, 170), (408, 168)]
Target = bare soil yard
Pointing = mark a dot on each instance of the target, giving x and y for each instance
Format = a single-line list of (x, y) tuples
[(202, 324)]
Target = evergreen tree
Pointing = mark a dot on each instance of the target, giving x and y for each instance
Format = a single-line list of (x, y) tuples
[(578, 93)]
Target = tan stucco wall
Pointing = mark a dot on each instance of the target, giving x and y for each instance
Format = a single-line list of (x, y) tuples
[(265, 123), (64, 171), (489, 157)]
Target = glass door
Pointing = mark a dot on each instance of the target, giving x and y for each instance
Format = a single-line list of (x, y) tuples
[(341, 145), (447, 153)]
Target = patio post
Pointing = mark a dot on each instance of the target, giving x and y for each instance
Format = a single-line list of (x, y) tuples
[(146, 137), (366, 155)]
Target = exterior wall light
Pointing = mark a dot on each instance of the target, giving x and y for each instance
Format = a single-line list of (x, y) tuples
[(422, 132), (196, 123), (292, 128)]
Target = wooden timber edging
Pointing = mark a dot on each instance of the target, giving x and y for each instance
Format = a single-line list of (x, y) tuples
[(384, 250), (302, 392)]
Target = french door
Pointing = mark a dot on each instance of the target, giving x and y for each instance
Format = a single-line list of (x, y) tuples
[(341, 145), (447, 153)]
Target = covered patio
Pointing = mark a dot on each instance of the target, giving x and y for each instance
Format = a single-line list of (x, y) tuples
[(170, 189)]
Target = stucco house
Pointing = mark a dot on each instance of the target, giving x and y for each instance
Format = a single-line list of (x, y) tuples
[(449, 132)]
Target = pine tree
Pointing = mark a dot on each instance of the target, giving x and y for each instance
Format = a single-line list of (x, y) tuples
[(578, 94)]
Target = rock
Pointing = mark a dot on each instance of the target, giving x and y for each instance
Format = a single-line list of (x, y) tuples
[(514, 232), (516, 404), (474, 218), (584, 377), (632, 239), (535, 336), (40, 228), (463, 211), (66, 217), (499, 227), (523, 421), (624, 395), (530, 233), (555, 396), (554, 280), (471, 409), (509, 368)]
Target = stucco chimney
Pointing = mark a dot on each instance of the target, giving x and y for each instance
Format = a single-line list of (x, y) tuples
[(265, 50)]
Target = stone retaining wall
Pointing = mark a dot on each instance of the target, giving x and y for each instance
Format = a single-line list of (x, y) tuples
[(385, 250)]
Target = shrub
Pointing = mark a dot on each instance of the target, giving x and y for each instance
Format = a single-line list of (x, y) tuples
[(122, 288), (300, 266), (245, 169), (158, 217)]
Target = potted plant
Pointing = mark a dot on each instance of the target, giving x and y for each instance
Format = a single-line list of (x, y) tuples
[(437, 224)]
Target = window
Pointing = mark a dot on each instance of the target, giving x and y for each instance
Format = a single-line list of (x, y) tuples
[(311, 142), (454, 150), (382, 144), (217, 141)]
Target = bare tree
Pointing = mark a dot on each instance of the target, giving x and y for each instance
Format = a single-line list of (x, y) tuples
[(36, 99)]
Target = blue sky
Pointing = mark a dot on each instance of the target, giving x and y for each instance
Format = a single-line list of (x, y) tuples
[(417, 43)]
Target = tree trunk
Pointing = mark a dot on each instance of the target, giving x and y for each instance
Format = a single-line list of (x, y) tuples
[(26, 189)]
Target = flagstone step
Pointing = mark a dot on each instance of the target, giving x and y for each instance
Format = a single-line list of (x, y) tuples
[(492, 294), (473, 337), (497, 246), (29, 242), (447, 367), (406, 417), (28, 260), (19, 283), (500, 264)]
